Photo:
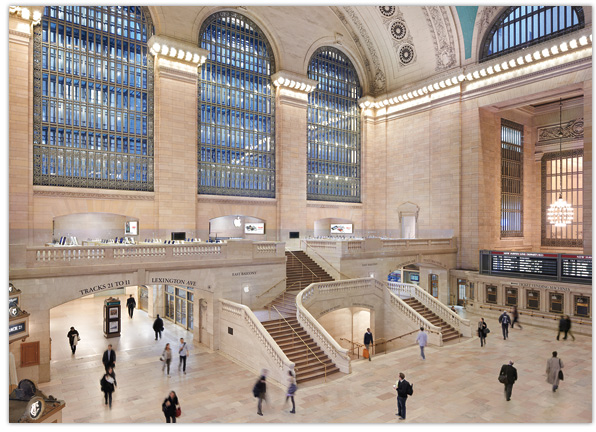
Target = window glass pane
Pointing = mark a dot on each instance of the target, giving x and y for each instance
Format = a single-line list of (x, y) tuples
[(69, 73), (236, 128), (511, 179)]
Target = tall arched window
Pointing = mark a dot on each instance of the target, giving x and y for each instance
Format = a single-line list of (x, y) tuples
[(236, 151), (522, 26), (333, 136), (93, 98)]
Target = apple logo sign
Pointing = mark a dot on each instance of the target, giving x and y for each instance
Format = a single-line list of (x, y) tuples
[(237, 222)]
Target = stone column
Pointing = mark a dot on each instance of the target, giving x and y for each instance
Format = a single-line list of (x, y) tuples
[(176, 134), (291, 103), (587, 167)]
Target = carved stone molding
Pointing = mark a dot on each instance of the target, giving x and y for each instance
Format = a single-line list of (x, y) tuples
[(376, 75), (92, 195), (217, 199), (573, 130), (333, 205), (440, 29), (400, 35), (485, 16)]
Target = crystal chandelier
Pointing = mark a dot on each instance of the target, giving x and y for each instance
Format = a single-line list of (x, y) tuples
[(560, 213)]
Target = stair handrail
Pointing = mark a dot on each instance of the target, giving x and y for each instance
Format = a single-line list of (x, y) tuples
[(401, 336), (304, 265), (324, 259), (265, 292), (317, 331), (434, 305), (305, 344)]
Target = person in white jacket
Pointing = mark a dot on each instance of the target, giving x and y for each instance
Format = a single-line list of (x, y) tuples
[(421, 339), (183, 351)]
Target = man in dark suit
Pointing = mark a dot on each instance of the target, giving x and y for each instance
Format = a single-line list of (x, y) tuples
[(504, 320), (404, 389), (131, 304), (109, 358), (158, 326), (510, 374)]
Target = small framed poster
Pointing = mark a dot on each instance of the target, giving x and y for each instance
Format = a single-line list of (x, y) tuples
[(341, 229), (113, 313), (254, 228), (131, 228), (113, 327)]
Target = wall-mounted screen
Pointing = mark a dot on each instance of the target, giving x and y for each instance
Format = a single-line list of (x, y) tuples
[(414, 277), (254, 228), (179, 236), (341, 228), (131, 228)]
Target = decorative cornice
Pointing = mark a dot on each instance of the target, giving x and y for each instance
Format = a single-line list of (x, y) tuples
[(220, 199), (294, 81), (321, 204), (400, 35), (19, 37), (573, 130), (144, 196), (167, 71), (176, 51), (485, 15)]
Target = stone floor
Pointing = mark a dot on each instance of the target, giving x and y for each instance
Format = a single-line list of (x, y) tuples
[(456, 384)]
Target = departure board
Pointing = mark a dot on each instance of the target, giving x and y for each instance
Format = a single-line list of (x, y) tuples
[(524, 262), (576, 266)]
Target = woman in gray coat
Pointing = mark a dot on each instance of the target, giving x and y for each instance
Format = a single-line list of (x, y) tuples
[(553, 366)]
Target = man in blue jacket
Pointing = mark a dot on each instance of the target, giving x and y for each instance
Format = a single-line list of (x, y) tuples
[(505, 321)]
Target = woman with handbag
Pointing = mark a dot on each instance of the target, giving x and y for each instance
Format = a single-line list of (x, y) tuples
[(553, 371), (73, 339), (166, 358), (171, 407), (482, 331)]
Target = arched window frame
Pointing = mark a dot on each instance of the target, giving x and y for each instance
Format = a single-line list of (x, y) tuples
[(523, 18), (244, 164), (334, 174), (108, 165)]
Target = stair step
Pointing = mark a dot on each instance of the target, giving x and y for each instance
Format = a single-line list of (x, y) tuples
[(314, 375)]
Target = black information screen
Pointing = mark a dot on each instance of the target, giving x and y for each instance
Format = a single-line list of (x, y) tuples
[(576, 266), (526, 263)]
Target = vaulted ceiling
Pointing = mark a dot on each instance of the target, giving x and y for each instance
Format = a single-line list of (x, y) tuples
[(390, 46)]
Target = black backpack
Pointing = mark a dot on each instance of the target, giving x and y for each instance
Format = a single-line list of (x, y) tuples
[(256, 389), (410, 390)]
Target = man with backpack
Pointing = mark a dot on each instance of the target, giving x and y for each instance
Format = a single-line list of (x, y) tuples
[(505, 321), (404, 389), (260, 390)]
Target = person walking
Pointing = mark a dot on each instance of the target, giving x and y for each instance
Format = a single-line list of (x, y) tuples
[(260, 391), (403, 389), (166, 357), (183, 351), (504, 320), (158, 326), (292, 387), (169, 407), (131, 304), (482, 331), (421, 339), (508, 376), (73, 339), (109, 358), (568, 327), (108, 385), (368, 342), (553, 371), (515, 315)]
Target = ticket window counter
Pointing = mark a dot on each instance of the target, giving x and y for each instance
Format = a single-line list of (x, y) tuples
[(491, 294), (510, 296), (533, 300), (179, 305), (556, 303), (581, 306)]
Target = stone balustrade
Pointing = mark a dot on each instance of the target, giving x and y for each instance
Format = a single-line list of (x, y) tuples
[(60, 256), (405, 290), (250, 343), (379, 246)]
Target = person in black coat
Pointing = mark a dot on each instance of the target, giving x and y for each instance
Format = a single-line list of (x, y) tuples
[(565, 327), (482, 327), (109, 358), (510, 377), (260, 391), (515, 316), (108, 385), (403, 390), (73, 339), (158, 327), (504, 320), (368, 342), (131, 304), (169, 406)]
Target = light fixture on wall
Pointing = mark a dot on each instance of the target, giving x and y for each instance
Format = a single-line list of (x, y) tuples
[(560, 213)]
